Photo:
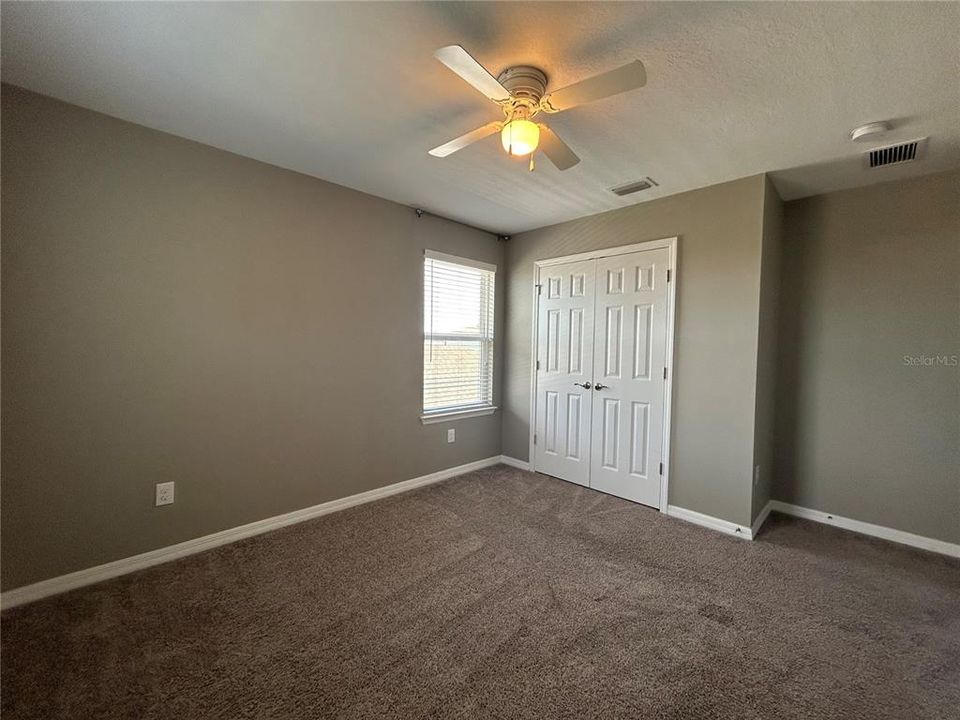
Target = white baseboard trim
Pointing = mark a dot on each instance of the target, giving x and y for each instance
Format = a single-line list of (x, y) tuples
[(513, 462), (761, 519), (89, 576), (708, 521), (858, 526)]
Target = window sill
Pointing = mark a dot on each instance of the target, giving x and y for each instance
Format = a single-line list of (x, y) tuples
[(447, 416)]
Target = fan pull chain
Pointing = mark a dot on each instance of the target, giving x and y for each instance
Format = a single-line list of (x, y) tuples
[(531, 162)]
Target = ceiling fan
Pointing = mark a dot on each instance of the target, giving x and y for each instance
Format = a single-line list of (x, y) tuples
[(521, 93)]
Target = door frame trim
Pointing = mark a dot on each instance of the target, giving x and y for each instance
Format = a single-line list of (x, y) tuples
[(670, 244)]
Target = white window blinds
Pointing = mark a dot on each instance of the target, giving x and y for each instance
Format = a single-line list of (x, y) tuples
[(457, 333)]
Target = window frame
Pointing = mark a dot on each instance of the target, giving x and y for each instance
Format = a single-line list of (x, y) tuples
[(464, 411)]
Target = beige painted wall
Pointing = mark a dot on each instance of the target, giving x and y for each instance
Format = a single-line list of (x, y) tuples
[(715, 368), (764, 426), (175, 312), (871, 280)]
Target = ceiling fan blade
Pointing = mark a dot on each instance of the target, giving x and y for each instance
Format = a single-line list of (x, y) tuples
[(471, 137), (556, 149), (629, 77), (463, 64)]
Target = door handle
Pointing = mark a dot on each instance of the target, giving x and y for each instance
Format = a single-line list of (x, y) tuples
[(585, 386), (598, 386)]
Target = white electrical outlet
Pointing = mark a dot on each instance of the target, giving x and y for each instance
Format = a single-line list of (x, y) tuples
[(164, 494), (451, 435), (756, 476)]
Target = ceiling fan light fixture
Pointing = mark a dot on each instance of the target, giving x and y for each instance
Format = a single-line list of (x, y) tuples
[(519, 91), (520, 137)]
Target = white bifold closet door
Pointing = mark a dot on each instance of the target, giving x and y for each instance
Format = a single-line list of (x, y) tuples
[(565, 371), (602, 325)]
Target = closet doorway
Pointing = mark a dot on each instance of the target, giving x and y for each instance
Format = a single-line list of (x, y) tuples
[(602, 370)]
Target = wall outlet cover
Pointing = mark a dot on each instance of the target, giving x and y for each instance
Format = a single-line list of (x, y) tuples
[(451, 435), (164, 494)]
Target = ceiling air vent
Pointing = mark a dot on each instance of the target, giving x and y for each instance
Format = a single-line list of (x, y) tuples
[(895, 154), (630, 188)]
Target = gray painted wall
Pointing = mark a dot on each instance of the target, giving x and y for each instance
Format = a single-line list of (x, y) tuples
[(175, 312), (871, 276), (715, 370), (764, 427)]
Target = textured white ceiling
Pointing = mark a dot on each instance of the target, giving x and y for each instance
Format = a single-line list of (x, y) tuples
[(350, 92)]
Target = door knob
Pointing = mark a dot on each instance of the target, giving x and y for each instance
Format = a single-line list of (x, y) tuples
[(598, 386), (585, 386)]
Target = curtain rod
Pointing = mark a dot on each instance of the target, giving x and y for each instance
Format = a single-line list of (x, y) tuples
[(421, 212)]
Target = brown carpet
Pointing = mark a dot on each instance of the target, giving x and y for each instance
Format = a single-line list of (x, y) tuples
[(503, 594)]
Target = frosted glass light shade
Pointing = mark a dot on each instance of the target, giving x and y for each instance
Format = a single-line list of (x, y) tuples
[(520, 137)]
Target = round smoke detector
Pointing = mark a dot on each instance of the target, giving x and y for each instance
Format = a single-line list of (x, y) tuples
[(869, 131)]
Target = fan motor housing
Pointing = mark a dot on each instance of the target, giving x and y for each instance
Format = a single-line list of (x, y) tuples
[(524, 82)]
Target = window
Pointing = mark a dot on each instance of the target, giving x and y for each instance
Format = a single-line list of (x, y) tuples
[(457, 336)]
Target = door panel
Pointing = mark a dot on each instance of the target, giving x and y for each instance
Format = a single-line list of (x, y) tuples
[(628, 408), (612, 335), (565, 320), (610, 436)]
